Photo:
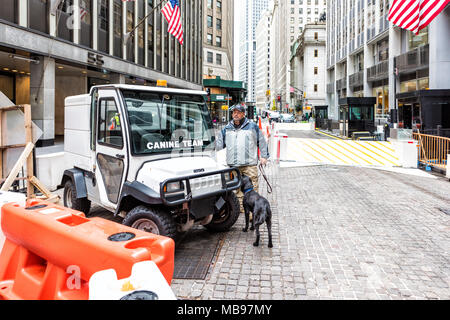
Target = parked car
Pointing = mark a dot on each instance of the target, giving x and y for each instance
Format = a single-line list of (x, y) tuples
[(274, 116), (287, 117)]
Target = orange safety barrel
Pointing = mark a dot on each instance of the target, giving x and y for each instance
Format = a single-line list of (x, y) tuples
[(51, 251)]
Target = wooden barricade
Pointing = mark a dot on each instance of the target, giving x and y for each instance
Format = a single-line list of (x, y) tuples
[(26, 158)]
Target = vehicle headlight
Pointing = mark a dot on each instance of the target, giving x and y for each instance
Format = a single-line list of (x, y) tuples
[(229, 176), (173, 187)]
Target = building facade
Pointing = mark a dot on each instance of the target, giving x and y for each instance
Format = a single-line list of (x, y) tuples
[(249, 17), (308, 65), (367, 56), (288, 19), (50, 52), (218, 38), (263, 57)]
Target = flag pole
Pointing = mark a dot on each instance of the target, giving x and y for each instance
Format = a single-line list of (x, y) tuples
[(128, 35)]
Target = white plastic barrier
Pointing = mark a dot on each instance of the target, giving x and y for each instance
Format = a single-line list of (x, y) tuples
[(280, 146), (145, 283), (50, 168), (7, 197), (407, 152)]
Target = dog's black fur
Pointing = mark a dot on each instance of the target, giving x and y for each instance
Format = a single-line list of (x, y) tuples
[(260, 209)]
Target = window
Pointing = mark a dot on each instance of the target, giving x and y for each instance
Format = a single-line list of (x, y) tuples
[(219, 59), (109, 124), (316, 70), (165, 123), (209, 38), (219, 24), (209, 57), (316, 53), (103, 26), (316, 88), (316, 36), (209, 4), (218, 41), (9, 10), (209, 21)]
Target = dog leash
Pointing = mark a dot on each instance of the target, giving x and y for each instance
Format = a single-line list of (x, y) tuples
[(263, 173)]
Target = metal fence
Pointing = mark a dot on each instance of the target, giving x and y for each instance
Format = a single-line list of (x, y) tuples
[(433, 150)]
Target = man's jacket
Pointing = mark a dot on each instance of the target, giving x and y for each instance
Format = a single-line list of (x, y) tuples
[(242, 144)]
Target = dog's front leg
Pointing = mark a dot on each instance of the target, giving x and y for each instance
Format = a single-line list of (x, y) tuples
[(256, 243)]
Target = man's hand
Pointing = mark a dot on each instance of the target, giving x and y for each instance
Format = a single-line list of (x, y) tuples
[(263, 161)]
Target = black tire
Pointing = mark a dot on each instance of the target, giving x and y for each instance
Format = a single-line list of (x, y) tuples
[(70, 199), (227, 217), (151, 220)]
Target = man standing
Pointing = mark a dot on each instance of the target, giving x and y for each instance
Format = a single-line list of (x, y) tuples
[(242, 138)]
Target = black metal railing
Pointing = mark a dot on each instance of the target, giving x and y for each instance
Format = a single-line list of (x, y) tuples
[(378, 71), (413, 60), (341, 84), (356, 79)]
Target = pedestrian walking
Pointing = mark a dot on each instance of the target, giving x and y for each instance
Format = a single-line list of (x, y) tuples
[(242, 138)]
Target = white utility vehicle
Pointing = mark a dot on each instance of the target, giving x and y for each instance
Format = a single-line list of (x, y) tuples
[(147, 154)]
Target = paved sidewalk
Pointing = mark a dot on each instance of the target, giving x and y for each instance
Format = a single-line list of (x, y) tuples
[(339, 233)]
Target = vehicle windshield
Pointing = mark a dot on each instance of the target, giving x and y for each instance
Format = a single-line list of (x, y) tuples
[(163, 123)]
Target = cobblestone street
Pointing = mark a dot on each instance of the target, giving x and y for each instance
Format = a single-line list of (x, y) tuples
[(339, 233)]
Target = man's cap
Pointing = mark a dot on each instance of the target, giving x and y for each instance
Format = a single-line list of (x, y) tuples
[(238, 107)]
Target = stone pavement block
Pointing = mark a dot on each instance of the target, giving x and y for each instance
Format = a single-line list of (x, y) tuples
[(339, 233)]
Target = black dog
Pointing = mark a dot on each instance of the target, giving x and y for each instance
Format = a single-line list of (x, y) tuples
[(260, 208)]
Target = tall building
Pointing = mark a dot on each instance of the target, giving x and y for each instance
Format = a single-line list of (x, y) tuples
[(262, 81), (218, 37), (288, 19), (249, 18), (47, 54), (367, 56)]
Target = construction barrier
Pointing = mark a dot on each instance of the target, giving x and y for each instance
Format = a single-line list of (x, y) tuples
[(281, 145), (51, 252), (146, 283), (433, 150), (8, 197)]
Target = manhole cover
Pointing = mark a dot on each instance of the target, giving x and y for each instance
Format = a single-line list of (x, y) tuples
[(195, 253)]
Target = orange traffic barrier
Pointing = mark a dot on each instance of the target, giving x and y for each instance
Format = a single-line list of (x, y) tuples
[(51, 251), (433, 150), (259, 122)]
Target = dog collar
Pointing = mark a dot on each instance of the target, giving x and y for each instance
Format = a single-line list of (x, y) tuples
[(248, 190)]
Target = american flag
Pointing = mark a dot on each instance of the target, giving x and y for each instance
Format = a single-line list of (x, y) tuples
[(414, 15), (172, 13)]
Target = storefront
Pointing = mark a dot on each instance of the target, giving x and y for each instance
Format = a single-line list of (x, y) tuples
[(424, 110), (223, 93)]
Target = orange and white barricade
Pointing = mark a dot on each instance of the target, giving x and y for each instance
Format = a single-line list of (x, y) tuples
[(51, 252)]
